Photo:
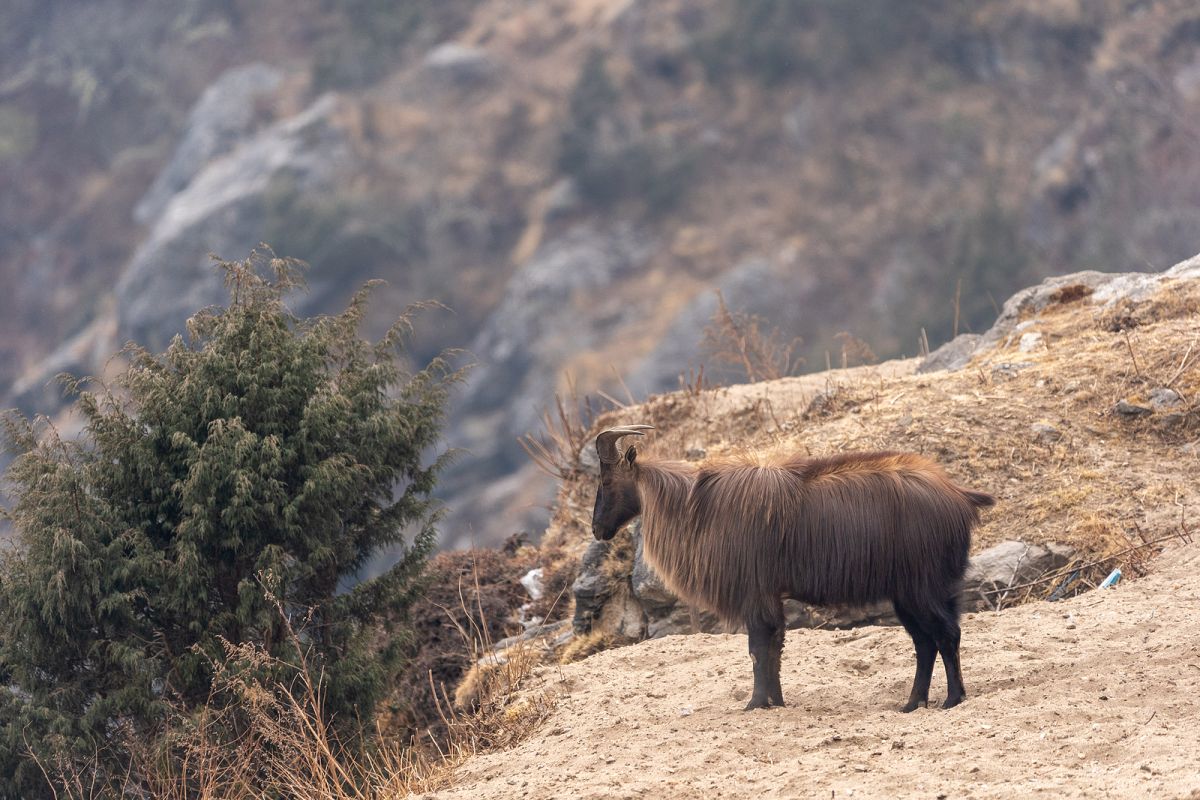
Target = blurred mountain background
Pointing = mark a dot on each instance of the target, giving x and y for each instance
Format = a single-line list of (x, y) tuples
[(575, 178)]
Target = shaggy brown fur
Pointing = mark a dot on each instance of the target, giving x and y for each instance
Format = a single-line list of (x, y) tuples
[(737, 536)]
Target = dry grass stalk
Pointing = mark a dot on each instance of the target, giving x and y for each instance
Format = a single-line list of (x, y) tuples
[(693, 383), (557, 450), (854, 350), (263, 734)]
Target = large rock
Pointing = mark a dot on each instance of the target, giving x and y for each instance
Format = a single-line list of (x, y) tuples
[(592, 588), (222, 210), (953, 355), (222, 118), (993, 572)]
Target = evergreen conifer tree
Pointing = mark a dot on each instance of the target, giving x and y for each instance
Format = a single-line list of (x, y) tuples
[(261, 459)]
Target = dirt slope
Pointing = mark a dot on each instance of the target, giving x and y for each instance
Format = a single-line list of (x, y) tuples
[(1098, 696)]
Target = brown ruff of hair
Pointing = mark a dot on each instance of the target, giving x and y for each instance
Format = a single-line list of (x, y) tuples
[(739, 534)]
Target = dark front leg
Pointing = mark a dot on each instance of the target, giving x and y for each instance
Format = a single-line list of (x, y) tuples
[(760, 656), (766, 652)]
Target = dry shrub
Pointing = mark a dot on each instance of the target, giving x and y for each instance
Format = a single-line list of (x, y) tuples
[(1070, 294), (854, 350), (738, 340), (263, 734), (471, 596)]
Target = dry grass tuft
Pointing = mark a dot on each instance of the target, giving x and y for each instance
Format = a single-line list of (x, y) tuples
[(558, 450)]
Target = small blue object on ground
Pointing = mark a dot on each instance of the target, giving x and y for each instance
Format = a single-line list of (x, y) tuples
[(1111, 580)]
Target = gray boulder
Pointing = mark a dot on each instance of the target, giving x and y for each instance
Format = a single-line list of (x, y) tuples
[(953, 355), (592, 588), (996, 570)]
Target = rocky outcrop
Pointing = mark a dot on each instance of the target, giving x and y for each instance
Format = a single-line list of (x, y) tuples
[(995, 572), (1102, 289), (222, 209), (224, 116)]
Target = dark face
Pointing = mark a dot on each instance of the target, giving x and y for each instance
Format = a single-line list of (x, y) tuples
[(617, 499)]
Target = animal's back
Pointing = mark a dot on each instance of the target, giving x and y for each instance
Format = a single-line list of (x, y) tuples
[(877, 525), (852, 528)]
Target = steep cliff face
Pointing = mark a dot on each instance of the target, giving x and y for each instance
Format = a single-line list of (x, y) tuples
[(574, 179)]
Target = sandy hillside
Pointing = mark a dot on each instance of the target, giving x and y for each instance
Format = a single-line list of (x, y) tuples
[(1098, 696)]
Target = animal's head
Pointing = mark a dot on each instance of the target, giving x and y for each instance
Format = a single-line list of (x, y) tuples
[(617, 499)]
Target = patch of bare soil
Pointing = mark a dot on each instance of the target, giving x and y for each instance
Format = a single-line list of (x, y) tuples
[(1096, 696)]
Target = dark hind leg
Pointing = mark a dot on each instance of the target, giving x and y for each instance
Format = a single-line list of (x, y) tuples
[(766, 645), (946, 634), (926, 650)]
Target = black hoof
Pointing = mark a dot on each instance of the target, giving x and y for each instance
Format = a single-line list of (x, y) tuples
[(913, 705), (756, 702), (951, 702)]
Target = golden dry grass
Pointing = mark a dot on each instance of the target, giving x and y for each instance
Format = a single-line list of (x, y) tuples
[(264, 735)]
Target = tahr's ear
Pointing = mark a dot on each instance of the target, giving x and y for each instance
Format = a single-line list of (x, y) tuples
[(631, 455)]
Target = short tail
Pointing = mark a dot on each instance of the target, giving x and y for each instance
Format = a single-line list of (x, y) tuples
[(979, 499)]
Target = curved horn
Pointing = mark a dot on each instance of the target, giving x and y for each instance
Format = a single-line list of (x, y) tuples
[(606, 441)]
